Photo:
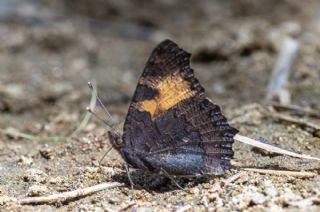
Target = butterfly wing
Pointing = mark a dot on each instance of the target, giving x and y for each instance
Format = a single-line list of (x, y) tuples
[(171, 125)]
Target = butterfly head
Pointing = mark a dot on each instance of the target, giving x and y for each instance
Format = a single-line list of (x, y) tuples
[(115, 139)]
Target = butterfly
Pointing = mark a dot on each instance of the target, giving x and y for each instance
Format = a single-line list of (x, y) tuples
[(171, 124)]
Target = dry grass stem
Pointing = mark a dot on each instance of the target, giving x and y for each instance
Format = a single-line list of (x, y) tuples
[(302, 174), (271, 148), (66, 196), (278, 85)]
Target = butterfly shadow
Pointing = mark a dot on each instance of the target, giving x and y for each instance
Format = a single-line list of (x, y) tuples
[(159, 183)]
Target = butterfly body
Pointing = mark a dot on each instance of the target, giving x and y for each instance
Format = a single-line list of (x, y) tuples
[(171, 125)]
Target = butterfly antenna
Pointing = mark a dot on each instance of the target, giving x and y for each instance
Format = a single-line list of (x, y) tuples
[(89, 110), (98, 117), (109, 121)]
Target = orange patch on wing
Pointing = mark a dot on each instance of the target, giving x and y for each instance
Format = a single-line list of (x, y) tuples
[(172, 90)]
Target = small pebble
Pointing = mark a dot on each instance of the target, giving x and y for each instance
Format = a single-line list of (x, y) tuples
[(301, 203), (37, 190), (35, 175), (142, 209), (108, 171), (258, 198), (23, 160), (47, 153)]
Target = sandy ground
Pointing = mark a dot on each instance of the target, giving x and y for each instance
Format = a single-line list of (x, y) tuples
[(48, 52)]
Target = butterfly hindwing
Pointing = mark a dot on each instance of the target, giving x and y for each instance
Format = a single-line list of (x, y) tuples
[(171, 125)]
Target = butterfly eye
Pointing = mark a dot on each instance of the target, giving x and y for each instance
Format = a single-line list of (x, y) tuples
[(115, 139)]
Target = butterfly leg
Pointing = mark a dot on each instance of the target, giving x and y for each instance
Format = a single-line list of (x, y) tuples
[(171, 178), (105, 154), (130, 180)]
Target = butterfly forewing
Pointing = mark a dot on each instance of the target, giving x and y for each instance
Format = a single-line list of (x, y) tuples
[(170, 124)]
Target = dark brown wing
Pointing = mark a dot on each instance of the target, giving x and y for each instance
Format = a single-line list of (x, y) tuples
[(171, 124)]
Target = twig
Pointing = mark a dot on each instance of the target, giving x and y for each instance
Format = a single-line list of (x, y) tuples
[(281, 172), (277, 88), (233, 178), (302, 123), (271, 148), (295, 108), (66, 196), (127, 206), (108, 209), (17, 134)]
